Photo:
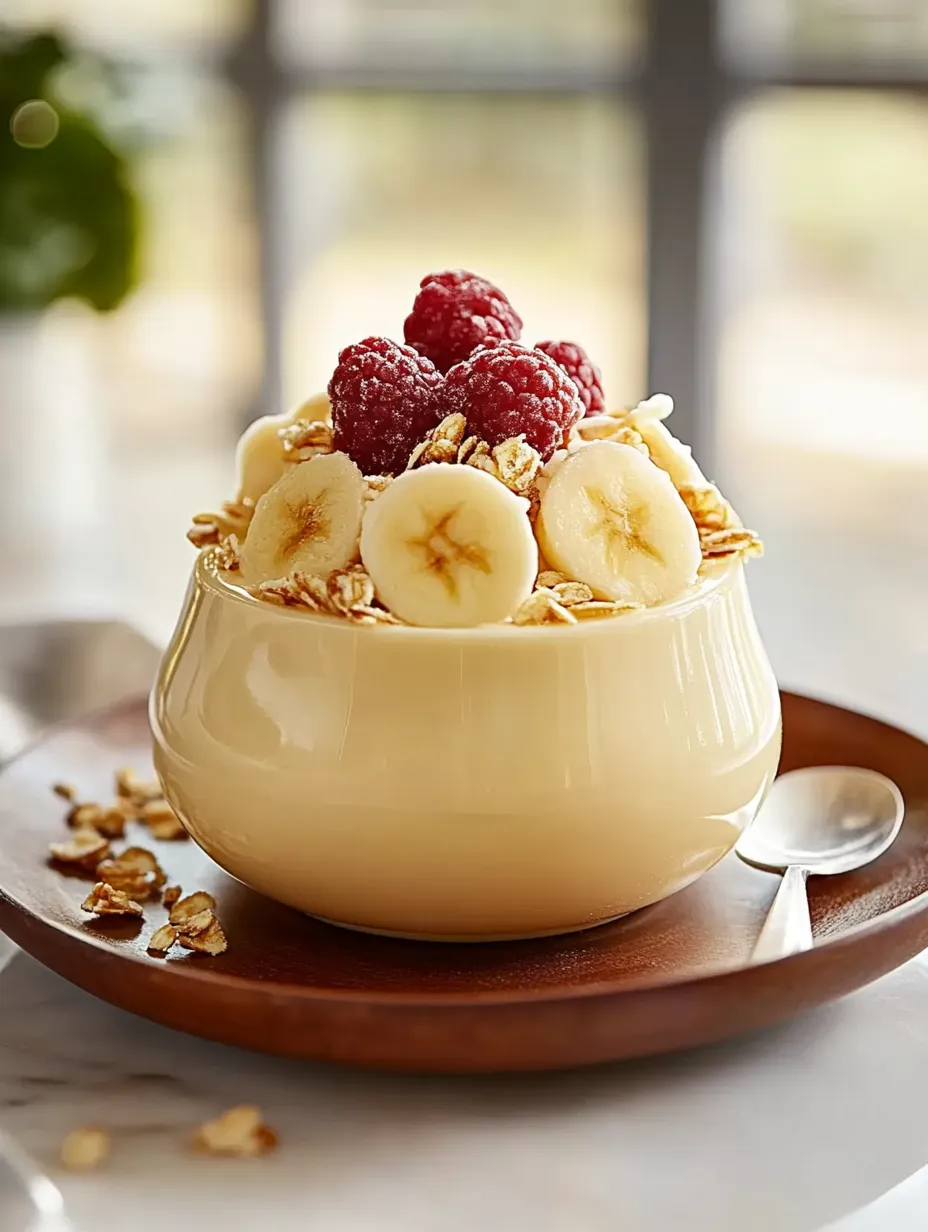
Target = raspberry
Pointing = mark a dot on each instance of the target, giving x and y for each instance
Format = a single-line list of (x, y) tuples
[(581, 370), (506, 389), (456, 311), (384, 400)]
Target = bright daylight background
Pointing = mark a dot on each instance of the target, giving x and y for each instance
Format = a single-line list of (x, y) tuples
[(117, 427)]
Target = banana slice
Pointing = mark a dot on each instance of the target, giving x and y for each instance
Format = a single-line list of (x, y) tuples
[(613, 520), (670, 454), (309, 520), (449, 546), (259, 455), (658, 406)]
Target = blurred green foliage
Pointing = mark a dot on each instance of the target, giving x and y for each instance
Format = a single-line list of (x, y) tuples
[(68, 214)]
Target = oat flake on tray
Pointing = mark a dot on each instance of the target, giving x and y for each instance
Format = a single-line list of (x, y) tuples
[(128, 882)]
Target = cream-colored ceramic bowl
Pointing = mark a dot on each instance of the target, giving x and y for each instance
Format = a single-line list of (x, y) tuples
[(477, 783)]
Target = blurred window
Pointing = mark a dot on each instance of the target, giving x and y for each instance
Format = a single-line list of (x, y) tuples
[(136, 27), (425, 134), (542, 194), (820, 281), (825, 267), (847, 36), (356, 36)]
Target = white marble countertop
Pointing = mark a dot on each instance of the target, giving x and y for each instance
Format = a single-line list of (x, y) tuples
[(783, 1132)]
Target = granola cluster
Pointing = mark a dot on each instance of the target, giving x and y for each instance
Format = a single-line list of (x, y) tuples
[(720, 532), (136, 800), (237, 1133), (305, 439), (233, 520), (611, 428), (346, 592), (85, 1149), (513, 462), (193, 924), (240, 1132), (556, 600), (126, 882)]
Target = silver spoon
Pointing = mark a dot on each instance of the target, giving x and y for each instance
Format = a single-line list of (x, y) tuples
[(826, 819)]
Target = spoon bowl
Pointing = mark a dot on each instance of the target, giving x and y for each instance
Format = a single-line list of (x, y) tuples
[(821, 820), (826, 819)]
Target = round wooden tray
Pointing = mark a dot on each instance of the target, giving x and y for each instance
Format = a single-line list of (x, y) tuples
[(671, 976)]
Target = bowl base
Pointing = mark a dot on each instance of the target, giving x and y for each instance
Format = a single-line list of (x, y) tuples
[(469, 938)]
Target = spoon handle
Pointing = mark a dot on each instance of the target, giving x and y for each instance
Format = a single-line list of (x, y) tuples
[(787, 928)]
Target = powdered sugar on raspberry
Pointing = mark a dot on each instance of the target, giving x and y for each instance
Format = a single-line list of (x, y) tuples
[(454, 312), (509, 389), (384, 400), (582, 371)]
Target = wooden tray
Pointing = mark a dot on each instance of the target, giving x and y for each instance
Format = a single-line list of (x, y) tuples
[(668, 977)]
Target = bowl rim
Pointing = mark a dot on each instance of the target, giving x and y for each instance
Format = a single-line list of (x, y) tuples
[(718, 575)]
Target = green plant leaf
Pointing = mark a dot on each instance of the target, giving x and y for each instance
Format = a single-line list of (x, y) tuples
[(69, 219)]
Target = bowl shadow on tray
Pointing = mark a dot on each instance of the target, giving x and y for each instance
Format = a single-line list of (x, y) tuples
[(708, 928)]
